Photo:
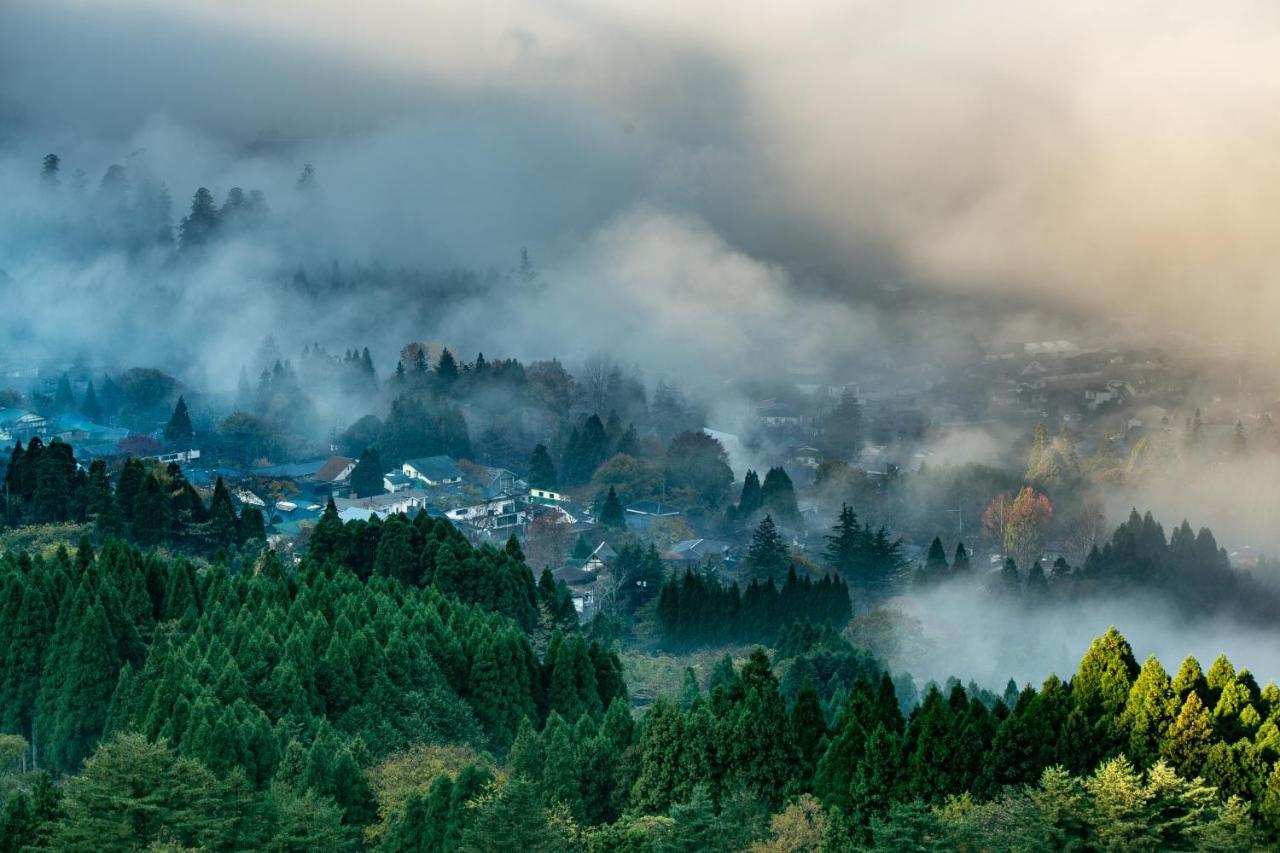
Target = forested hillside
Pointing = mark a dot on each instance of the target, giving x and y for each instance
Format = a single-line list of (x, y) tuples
[(401, 688)]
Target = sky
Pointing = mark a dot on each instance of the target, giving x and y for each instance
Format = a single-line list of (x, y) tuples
[(1089, 156)]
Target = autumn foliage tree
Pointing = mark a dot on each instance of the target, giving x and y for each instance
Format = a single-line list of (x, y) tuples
[(1020, 525)]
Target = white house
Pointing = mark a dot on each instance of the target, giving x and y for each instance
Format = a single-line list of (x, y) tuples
[(433, 470)]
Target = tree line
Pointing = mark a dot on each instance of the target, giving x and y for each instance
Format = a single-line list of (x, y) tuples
[(697, 610), (148, 504)]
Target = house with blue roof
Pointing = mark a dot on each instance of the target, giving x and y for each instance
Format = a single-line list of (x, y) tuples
[(433, 470)]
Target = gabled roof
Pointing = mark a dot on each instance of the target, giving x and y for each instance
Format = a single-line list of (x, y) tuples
[(604, 551), (436, 467), (292, 470), (333, 469), (652, 508), (695, 549), (573, 575)]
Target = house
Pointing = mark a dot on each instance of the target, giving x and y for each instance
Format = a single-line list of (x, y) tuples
[(582, 586), (695, 551), (806, 457), (19, 425), (501, 513), (1114, 391), (248, 498), (433, 470), (641, 515), (496, 482), (178, 456), (600, 558), (564, 513), (397, 480), (336, 470), (77, 429), (773, 413), (292, 470), (546, 497), (407, 501)]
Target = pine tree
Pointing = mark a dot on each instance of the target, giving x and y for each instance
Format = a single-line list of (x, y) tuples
[(750, 501), (152, 514), (808, 728), (63, 399), (223, 525), (395, 556), (877, 779), (1149, 712), (327, 536), (178, 431), (446, 369), (75, 692), (542, 472), (768, 556), (49, 169), (935, 564), (253, 527), (1100, 691), (611, 513), (366, 477), (778, 496), (197, 227)]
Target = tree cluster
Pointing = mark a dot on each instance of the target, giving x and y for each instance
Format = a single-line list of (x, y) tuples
[(695, 610)]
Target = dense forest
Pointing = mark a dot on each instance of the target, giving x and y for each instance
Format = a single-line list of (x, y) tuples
[(402, 688)]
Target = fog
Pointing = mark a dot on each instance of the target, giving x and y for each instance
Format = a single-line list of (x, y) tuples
[(960, 630), (1084, 158)]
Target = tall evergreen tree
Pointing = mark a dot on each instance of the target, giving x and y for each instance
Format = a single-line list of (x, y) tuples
[(89, 406), (198, 226), (446, 369), (178, 431), (223, 525), (366, 477), (778, 495), (612, 514), (750, 501), (542, 471), (768, 556)]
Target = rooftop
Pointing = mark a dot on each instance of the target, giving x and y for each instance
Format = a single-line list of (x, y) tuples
[(436, 467)]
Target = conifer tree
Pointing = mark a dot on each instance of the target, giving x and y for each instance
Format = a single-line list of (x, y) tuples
[(63, 399), (446, 369), (542, 472), (778, 495), (128, 487), (49, 169), (877, 779), (1149, 712), (366, 477), (178, 431), (327, 535), (152, 514), (935, 564), (611, 513), (750, 501), (253, 527), (223, 525), (768, 556), (197, 227), (75, 691), (808, 728)]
